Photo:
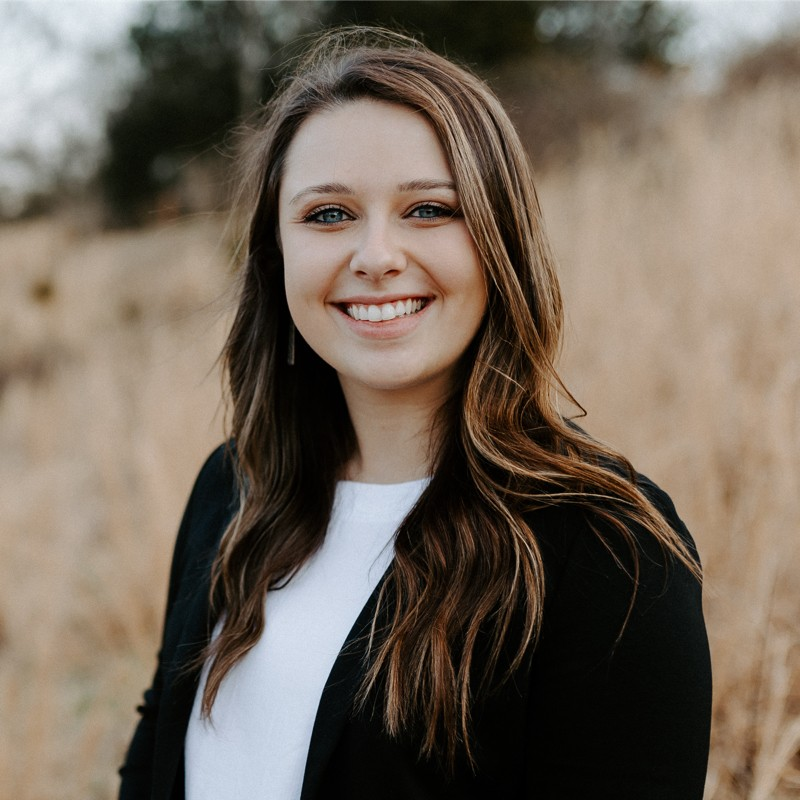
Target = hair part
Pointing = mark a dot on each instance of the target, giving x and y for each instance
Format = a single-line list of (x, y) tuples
[(467, 564)]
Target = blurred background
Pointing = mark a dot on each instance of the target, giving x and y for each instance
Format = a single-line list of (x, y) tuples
[(666, 142)]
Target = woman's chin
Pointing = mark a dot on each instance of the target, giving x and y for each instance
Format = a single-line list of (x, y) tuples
[(396, 381)]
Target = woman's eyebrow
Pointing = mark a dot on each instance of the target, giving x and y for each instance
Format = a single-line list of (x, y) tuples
[(321, 188), (422, 184), (417, 185)]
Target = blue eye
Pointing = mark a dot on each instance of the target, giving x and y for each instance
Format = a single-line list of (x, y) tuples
[(328, 216), (431, 211)]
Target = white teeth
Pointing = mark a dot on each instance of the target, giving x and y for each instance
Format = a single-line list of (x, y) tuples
[(385, 312)]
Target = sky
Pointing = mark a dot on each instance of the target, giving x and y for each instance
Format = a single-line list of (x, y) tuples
[(65, 63), (62, 66), (724, 28)]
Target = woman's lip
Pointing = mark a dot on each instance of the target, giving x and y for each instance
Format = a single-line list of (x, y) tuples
[(386, 329), (385, 312), (364, 300)]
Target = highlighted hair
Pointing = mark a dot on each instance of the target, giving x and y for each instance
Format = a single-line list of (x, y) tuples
[(466, 560)]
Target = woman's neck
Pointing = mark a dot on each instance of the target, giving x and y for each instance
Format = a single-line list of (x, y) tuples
[(393, 431)]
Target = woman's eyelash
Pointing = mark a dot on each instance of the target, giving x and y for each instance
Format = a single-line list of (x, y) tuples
[(336, 214), (317, 214), (441, 209)]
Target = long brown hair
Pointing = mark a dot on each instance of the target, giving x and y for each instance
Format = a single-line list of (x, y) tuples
[(466, 560)]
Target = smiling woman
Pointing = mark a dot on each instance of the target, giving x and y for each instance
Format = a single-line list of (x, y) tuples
[(382, 277), (408, 574)]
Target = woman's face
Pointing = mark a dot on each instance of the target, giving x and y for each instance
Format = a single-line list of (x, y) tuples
[(382, 277)]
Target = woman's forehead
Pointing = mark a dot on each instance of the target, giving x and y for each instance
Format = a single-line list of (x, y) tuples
[(364, 142)]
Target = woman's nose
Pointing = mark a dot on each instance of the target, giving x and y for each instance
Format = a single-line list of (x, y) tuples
[(378, 253)]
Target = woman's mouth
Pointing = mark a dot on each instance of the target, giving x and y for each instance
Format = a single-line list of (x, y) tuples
[(385, 311)]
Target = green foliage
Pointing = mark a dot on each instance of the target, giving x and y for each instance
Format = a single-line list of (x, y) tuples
[(195, 80), (482, 33), (489, 33), (203, 64)]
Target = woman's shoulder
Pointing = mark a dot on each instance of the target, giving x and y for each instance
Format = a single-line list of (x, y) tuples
[(585, 555), (620, 675), (216, 482), (617, 602), (212, 503)]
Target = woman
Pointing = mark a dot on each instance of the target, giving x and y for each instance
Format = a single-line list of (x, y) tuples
[(409, 575)]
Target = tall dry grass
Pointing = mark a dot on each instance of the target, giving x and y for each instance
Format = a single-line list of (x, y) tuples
[(109, 402), (679, 255), (681, 264)]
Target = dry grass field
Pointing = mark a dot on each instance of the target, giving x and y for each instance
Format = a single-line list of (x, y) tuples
[(680, 254)]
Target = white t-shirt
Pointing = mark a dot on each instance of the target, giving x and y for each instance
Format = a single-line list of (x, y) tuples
[(256, 741)]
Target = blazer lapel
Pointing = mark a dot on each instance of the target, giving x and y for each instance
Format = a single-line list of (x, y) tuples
[(181, 686), (336, 703)]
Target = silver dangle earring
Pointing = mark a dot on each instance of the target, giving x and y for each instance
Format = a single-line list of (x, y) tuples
[(290, 348)]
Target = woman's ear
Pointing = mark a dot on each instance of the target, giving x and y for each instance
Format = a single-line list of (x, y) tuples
[(278, 238)]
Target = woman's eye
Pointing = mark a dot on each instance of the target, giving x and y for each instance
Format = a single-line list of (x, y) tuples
[(431, 211), (328, 216)]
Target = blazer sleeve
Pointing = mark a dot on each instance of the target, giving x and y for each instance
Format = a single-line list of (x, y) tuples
[(212, 488), (624, 717)]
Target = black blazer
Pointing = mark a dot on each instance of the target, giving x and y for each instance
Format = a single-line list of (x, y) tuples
[(584, 716)]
